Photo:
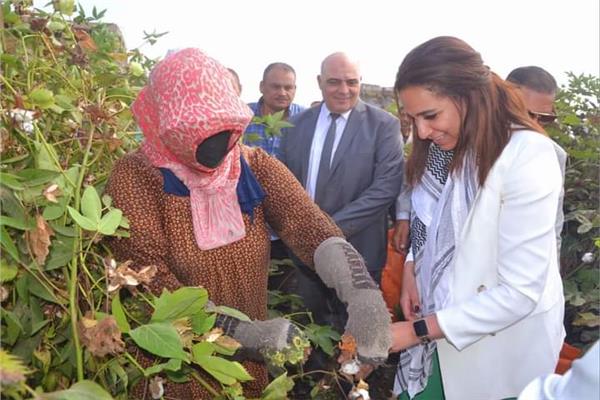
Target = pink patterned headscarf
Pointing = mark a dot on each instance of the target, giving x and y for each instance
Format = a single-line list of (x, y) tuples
[(189, 98)]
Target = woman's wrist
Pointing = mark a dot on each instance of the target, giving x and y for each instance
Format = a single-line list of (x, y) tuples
[(433, 327)]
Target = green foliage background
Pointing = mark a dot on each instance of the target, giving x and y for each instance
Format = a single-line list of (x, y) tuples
[(67, 83)]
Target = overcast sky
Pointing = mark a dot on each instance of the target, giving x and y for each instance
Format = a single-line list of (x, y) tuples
[(247, 35)]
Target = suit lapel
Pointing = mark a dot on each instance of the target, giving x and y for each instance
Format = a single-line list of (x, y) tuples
[(354, 122), (305, 141)]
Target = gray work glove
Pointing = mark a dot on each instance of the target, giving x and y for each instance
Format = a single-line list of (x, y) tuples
[(342, 268), (260, 339)]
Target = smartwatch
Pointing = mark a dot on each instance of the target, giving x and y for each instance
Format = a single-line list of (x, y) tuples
[(421, 331)]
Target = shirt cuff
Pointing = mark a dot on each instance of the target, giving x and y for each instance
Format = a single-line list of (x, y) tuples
[(402, 215)]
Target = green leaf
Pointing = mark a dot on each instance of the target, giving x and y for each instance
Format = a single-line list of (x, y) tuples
[(61, 252), (35, 177), (183, 302), (119, 314), (584, 227), (45, 157), (323, 336), (171, 365), (106, 200), (11, 181), (278, 388), (110, 222), (571, 119), (8, 244), (36, 288), (13, 328), (83, 390), (15, 223), (160, 339), (225, 371), (64, 102), (232, 312), (202, 349), (202, 322), (43, 98), (91, 206), (68, 231), (54, 210), (82, 221), (8, 272)]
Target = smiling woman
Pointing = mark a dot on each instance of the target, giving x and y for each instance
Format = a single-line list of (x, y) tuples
[(480, 214)]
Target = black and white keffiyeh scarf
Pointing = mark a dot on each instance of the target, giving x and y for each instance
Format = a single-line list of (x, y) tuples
[(440, 205)]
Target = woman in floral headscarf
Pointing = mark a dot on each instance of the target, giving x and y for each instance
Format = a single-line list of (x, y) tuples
[(198, 203)]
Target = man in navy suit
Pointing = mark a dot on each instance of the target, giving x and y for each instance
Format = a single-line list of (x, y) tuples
[(348, 156)]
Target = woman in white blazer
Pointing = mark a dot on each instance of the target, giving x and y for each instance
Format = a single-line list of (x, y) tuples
[(483, 294)]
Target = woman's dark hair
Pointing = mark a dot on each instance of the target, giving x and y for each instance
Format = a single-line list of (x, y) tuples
[(489, 106)]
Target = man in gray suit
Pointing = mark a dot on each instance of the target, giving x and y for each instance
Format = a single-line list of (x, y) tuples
[(348, 156)]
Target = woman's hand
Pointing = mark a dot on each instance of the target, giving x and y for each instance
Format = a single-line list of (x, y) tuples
[(409, 297), (400, 236), (403, 336)]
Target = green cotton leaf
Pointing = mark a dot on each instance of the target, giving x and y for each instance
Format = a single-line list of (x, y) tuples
[(54, 210), (160, 339), (35, 177), (83, 390), (225, 371), (202, 349), (322, 336), (91, 206), (68, 181), (119, 314), (8, 272), (8, 245), (106, 200), (46, 154), (36, 288), (82, 221), (13, 328), (183, 302), (202, 322), (68, 231), (278, 388), (64, 102), (232, 312), (16, 223), (11, 181), (110, 222), (571, 119), (584, 227), (171, 365), (61, 252), (43, 98)]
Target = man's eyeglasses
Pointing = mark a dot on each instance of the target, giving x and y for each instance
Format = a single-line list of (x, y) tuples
[(543, 118)]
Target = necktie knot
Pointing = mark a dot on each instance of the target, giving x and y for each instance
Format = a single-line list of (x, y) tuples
[(334, 116)]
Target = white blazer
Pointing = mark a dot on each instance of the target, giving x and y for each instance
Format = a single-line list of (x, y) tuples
[(504, 324)]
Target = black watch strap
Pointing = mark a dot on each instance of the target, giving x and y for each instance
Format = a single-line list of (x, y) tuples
[(421, 330)]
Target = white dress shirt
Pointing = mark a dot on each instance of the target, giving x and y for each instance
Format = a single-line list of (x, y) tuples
[(316, 148)]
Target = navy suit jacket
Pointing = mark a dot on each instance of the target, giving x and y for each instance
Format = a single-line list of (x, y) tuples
[(366, 174)]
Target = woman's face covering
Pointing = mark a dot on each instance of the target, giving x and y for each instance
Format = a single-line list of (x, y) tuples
[(437, 118), (211, 152)]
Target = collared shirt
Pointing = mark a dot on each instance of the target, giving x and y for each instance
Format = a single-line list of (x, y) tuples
[(268, 143), (323, 122)]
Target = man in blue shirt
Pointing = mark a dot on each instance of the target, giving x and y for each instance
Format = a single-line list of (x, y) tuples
[(278, 88)]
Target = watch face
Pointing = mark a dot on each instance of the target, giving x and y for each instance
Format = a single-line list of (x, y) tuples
[(420, 328)]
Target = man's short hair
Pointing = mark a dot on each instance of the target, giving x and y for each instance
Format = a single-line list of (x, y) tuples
[(534, 78), (281, 65)]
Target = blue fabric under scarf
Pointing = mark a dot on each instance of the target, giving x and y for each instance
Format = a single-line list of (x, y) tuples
[(249, 192)]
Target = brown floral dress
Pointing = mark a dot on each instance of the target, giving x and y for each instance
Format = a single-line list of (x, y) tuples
[(161, 234)]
